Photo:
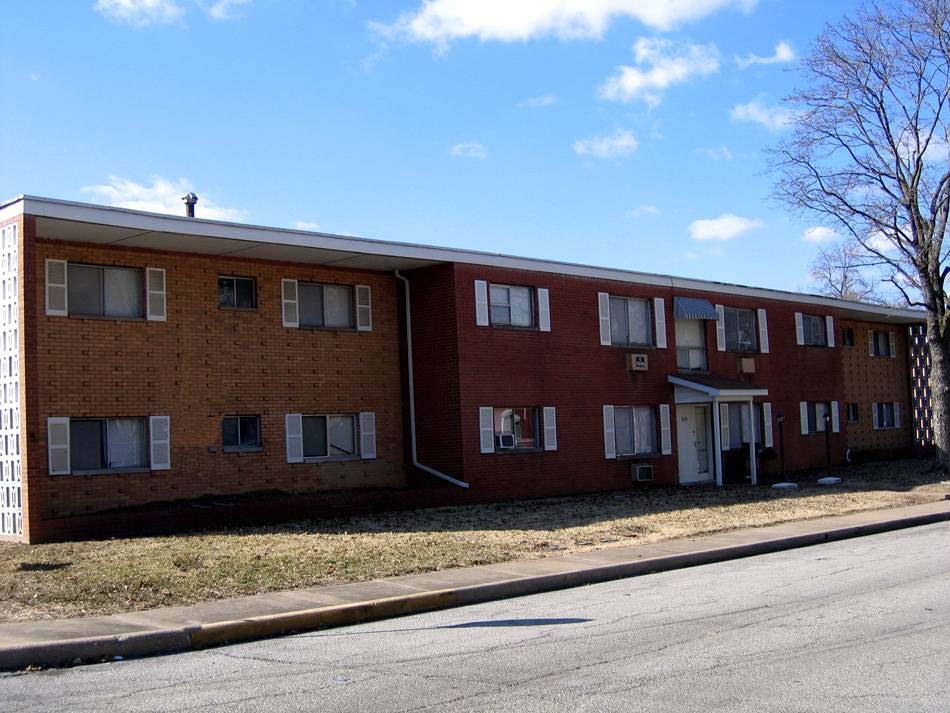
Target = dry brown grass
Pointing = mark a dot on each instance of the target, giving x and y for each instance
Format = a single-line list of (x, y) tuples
[(102, 577)]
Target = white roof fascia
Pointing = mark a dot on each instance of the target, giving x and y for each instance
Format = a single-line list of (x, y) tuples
[(159, 222), (713, 391)]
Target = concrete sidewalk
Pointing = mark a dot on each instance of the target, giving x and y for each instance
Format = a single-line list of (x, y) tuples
[(175, 629)]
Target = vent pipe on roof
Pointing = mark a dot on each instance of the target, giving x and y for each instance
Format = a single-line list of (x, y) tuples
[(190, 200)]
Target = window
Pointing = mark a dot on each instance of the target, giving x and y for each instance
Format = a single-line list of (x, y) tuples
[(236, 292), (329, 306), (691, 344), (847, 336), (516, 427), (740, 329), (635, 430), (107, 444), (241, 433), (814, 331), (104, 291), (629, 321), (511, 306), (332, 436), (881, 344), (741, 430), (852, 412), (885, 415), (816, 415)]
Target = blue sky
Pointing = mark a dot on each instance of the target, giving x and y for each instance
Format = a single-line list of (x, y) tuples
[(625, 133)]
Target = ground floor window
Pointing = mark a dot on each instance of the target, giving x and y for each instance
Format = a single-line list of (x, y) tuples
[(852, 411), (516, 427), (241, 433), (107, 444), (886, 415), (635, 430), (817, 411), (329, 436), (742, 429)]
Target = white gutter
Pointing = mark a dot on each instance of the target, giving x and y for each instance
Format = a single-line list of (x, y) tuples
[(412, 398)]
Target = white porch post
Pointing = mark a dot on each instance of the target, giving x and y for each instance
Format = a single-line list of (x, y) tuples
[(717, 440), (755, 478)]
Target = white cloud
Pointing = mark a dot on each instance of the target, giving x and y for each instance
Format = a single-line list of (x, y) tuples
[(537, 102), (726, 227), (881, 243), (306, 225), (470, 149), (140, 13), (620, 143), (783, 53), (645, 210), (442, 21), (717, 153), (163, 196), (774, 118), (226, 9), (660, 63), (819, 234)]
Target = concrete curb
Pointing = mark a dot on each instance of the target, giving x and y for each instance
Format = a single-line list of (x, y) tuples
[(192, 638)]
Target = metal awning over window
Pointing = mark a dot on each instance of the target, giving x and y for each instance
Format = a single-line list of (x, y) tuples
[(693, 308)]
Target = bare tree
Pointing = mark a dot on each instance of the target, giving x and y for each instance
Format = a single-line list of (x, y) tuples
[(841, 270), (869, 152)]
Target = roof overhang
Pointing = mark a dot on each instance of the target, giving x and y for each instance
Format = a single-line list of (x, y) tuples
[(107, 225), (718, 391)]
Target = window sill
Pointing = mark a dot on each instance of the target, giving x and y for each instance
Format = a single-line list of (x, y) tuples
[(331, 459), (232, 449), (515, 451), (107, 318), (308, 328), (638, 456), (232, 308), (110, 471), (515, 327), (633, 346)]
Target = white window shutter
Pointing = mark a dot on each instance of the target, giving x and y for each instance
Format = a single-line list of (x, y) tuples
[(763, 331), (364, 308), (155, 294), (603, 313), (830, 329), (799, 329), (367, 435), (871, 342), (874, 417), (289, 308), (481, 303), (610, 436), (835, 419), (57, 304), (720, 328), (160, 442), (659, 317), (550, 428), (57, 441), (897, 415), (544, 310), (803, 414), (666, 440), (724, 426), (767, 425), (892, 337), (293, 437), (486, 429)]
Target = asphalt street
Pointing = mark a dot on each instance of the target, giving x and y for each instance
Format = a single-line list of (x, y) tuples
[(859, 625)]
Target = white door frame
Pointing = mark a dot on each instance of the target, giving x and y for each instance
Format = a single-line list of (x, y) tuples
[(717, 434), (708, 407)]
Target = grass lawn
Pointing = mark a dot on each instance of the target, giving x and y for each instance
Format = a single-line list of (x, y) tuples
[(104, 577)]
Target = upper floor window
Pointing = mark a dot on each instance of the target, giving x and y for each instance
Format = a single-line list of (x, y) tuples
[(740, 329), (511, 306), (814, 331), (236, 292), (881, 344), (847, 336), (105, 291), (329, 306), (630, 321), (691, 344)]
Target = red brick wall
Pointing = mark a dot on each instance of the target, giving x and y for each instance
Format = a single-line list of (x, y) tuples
[(204, 363)]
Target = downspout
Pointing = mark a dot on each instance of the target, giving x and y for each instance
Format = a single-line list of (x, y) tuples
[(412, 397)]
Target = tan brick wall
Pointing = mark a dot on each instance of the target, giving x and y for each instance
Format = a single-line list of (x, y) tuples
[(869, 380), (204, 363)]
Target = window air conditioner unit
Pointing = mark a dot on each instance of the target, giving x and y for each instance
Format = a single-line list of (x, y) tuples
[(637, 362), (642, 473), (505, 440), (746, 365)]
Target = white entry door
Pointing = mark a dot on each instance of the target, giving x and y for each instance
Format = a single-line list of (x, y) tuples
[(694, 443)]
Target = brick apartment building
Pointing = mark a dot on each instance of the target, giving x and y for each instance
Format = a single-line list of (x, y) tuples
[(161, 372)]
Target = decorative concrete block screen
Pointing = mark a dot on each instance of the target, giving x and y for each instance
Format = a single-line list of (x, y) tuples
[(11, 491), (920, 385)]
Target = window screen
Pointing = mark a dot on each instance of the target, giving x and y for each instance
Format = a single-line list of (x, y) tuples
[(328, 306)]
